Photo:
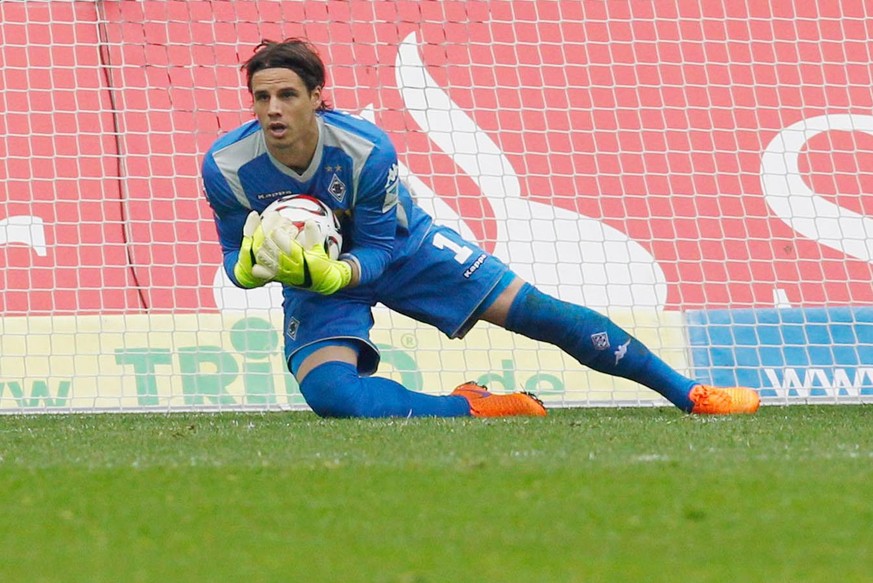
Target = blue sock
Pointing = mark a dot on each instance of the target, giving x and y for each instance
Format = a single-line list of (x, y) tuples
[(595, 341), (334, 389)]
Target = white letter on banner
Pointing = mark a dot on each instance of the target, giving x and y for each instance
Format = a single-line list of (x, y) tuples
[(797, 205)]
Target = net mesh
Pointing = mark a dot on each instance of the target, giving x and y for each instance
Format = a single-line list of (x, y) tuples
[(698, 171)]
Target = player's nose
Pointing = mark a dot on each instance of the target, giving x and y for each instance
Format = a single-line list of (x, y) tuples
[(275, 107)]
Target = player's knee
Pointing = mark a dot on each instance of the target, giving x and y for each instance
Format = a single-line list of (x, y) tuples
[(333, 390)]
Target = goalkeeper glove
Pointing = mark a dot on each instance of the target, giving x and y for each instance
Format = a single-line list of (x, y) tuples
[(309, 268), (246, 270), (278, 257), (328, 275)]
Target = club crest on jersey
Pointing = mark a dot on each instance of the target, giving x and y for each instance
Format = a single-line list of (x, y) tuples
[(291, 330), (337, 188)]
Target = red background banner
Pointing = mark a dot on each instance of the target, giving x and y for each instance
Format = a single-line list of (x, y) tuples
[(651, 117)]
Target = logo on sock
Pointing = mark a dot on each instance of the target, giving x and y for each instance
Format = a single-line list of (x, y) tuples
[(600, 341), (621, 351)]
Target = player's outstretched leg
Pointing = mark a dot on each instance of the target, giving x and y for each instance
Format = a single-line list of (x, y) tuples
[(334, 389), (597, 342)]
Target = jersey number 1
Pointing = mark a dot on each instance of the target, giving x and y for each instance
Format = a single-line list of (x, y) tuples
[(462, 253)]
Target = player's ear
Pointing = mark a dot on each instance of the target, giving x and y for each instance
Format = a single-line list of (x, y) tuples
[(315, 98)]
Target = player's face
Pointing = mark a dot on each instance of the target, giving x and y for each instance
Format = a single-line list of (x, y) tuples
[(286, 111)]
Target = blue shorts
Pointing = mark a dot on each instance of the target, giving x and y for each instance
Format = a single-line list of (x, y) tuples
[(442, 283)]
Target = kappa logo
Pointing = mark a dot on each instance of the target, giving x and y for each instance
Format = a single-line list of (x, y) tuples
[(392, 186), (621, 351), (600, 341), (393, 174), (272, 195), (476, 265)]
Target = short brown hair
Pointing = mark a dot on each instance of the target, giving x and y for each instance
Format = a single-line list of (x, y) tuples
[(292, 53)]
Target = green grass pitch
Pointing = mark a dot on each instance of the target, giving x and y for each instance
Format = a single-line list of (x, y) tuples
[(584, 495)]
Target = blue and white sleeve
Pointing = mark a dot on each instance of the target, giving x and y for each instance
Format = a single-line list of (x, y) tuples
[(374, 218), (228, 214)]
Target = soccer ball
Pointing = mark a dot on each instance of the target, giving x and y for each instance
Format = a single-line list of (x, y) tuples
[(302, 209)]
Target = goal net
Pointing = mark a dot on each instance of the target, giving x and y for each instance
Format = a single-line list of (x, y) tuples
[(699, 171)]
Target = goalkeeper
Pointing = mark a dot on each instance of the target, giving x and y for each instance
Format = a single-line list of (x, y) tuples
[(393, 254)]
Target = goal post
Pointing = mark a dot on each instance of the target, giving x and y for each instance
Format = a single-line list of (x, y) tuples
[(700, 172)]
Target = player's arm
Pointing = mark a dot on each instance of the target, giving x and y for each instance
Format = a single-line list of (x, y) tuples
[(373, 227), (236, 228), (354, 271)]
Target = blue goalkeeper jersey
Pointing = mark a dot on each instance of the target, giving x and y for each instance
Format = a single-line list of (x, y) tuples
[(354, 171)]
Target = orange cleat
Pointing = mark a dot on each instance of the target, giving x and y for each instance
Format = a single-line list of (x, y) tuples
[(715, 401), (486, 404)]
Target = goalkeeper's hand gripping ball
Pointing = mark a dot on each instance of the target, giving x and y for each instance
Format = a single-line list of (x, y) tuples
[(245, 269), (303, 260), (283, 264)]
